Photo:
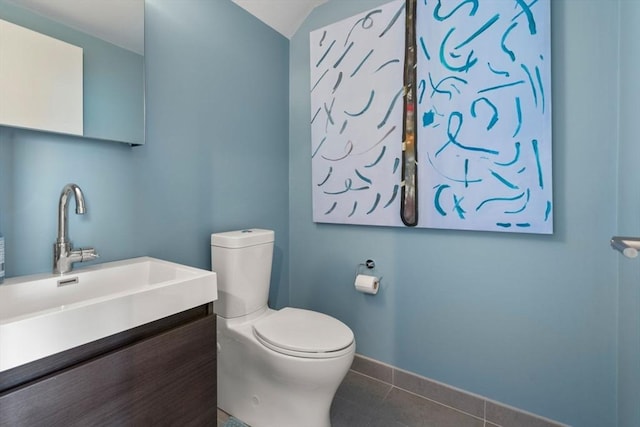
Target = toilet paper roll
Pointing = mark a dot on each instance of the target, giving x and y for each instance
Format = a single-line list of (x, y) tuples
[(367, 284)]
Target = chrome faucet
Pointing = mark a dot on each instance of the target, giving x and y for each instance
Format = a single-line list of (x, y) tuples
[(63, 253)]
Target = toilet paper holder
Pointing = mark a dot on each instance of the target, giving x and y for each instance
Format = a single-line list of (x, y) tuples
[(366, 279), (368, 268)]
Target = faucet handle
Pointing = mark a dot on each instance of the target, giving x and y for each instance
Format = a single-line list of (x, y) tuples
[(88, 254)]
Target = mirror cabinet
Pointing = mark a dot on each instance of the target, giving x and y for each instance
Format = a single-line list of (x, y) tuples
[(55, 78)]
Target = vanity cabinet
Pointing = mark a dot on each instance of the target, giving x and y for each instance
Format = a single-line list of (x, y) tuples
[(41, 81), (162, 373)]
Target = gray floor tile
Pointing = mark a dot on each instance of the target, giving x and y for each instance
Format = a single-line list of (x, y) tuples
[(345, 413), (362, 390), (508, 417), (415, 411), (440, 393), (372, 368)]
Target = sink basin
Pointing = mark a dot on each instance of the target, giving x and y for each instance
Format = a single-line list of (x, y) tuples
[(45, 314)]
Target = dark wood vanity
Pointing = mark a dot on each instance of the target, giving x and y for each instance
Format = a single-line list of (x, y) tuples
[(159, 374)]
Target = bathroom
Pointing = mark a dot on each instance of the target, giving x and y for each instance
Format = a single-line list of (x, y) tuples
[(549, 324)]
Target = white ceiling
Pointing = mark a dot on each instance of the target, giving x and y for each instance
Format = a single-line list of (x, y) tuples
[(284, 16), (121, 22)]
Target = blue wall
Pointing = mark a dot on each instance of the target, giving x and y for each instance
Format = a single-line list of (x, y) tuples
[(523, 319), (216, 156), (34, 167), (531, 321), (629, 218)]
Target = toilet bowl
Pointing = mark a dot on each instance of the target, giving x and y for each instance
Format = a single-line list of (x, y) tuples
[(275, 367)]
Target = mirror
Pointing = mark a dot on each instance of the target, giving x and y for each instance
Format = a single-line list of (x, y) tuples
[(113, 66)]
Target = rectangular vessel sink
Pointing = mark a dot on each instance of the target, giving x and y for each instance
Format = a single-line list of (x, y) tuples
[(45, 314)]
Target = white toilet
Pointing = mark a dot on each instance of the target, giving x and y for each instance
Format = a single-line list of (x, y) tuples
[(275, 367)]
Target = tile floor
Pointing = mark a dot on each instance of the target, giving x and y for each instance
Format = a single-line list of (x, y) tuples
[(362, 401)]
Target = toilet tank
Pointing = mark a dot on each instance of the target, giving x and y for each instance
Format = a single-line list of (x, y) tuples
[(242, 261)]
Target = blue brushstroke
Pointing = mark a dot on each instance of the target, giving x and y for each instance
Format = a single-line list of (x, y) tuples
[(500, 73), (393, 21), (534, 143), (523, 169), (355, 205), (362, 177), (393, 128), (376, 161), (503, 180), (519, 82), (393, 196), (344, 126), (539, 78), (348, 148), (393, 61), (436, 199), (500, 199), (530, 19), (547, 212), (503, 224), (326, 52), (331, 208), (366, 107), (464, 180), (339, 80), (523, 207), (324, 34), (462, 69), (466, 173), (348, 187), (436, 10), (424, 48), (515, 159), (522, 11), (504, 47), (457, 207), (436, 88), (454, 135), (318, 148), (375, 204), (361, 63), (365, 21), (396, 163), (342, 56), (494, 118), (328, 111), (533, 86), (519, 115), (316, 115), (393, 102), (480, 30), (523, 225), (422, 86), (319, 80), (327, 177), (428, 118)]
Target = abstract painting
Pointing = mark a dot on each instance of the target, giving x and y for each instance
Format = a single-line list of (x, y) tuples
[(434, 114)]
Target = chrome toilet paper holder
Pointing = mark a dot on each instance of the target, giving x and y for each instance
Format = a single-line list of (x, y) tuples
[(368, 265), (368, 268)]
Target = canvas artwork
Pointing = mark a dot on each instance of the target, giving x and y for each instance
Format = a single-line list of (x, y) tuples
[(434, 114)]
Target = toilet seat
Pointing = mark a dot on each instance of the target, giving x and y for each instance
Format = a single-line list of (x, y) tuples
[(304, 333)]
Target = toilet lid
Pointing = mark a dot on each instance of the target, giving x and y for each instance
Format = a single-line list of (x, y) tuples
[(304, 333)]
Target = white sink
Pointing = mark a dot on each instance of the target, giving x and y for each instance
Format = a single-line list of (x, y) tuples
[(42, 315)]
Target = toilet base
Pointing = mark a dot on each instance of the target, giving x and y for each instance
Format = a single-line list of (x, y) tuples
[(262, 387)]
